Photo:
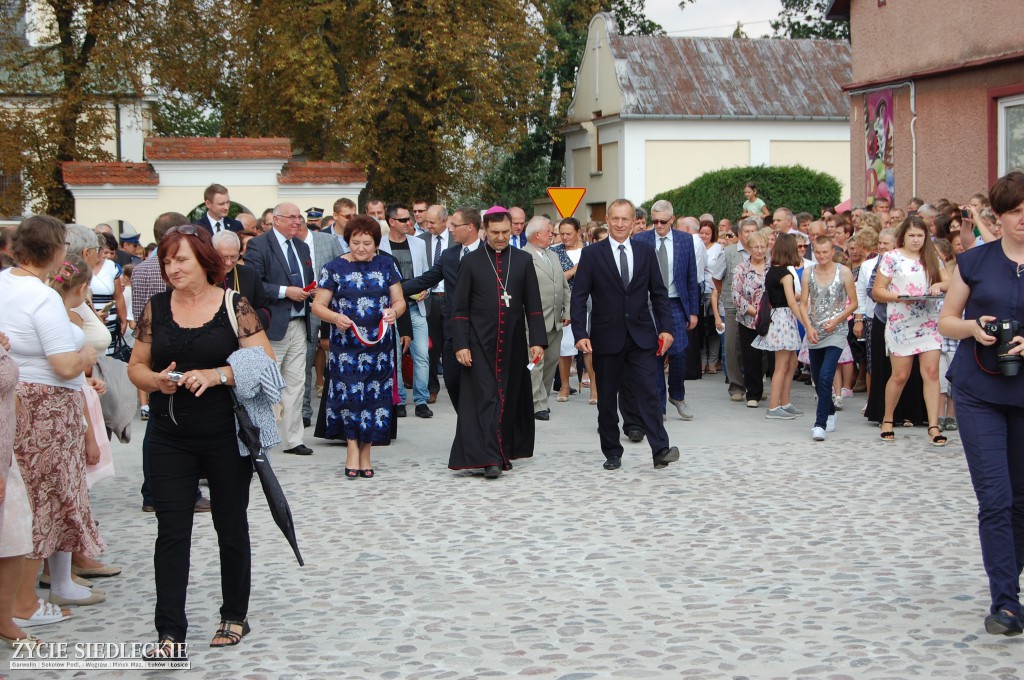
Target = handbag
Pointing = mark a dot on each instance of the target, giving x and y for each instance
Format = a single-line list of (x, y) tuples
[(763, 318), (122, 351)]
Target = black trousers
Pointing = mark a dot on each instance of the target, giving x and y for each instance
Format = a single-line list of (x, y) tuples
[(452, 374), (435, 329), (754, 361), (640, 369), (201, 445)]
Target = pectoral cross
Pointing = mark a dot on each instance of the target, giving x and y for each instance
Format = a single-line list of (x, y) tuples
[(506, 298)]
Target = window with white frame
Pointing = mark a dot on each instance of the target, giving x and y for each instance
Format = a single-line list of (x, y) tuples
[(1011, 134)]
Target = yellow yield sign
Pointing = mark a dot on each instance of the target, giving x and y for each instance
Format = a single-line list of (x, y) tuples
[(566, 199)]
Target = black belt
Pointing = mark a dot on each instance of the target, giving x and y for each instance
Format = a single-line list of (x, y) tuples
[(441, 294)]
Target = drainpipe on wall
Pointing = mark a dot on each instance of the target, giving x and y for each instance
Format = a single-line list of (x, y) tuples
[(913, 122)]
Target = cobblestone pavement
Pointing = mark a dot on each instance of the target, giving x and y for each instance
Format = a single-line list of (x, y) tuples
[(760, 554)]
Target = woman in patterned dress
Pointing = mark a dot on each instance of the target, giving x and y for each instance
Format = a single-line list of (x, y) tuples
[(912, 269), (783, 335), (360, 295), (568, 252)]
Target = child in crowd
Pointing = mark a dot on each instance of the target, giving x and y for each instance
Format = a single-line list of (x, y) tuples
[(753, 206), (947, 414)]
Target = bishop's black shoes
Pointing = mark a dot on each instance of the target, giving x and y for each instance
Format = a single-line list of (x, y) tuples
[(665, 456), (613, 464), (492, 472), (635, 435)]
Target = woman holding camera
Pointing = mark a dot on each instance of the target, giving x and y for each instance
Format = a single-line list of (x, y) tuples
[(180, 357), (989, 394)]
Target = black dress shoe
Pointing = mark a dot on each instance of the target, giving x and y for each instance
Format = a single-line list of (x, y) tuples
[(423, 411), (307, 422), (300, 450), (665, 456), (1003, 623), (635, 435), (400, 411), (492, 472), (543, 415), (613, 464)]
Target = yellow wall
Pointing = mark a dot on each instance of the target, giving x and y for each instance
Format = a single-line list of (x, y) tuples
[(671, 164), (830, 157)]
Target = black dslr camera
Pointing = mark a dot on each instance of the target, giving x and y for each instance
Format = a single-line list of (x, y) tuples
[(1004, 331)]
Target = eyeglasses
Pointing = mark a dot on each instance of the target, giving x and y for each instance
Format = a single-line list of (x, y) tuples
[(415, 211), (186, 229), (401, 219), (289, 217), (669, 221)]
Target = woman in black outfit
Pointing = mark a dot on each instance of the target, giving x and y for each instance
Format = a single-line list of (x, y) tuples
[(183, 341)]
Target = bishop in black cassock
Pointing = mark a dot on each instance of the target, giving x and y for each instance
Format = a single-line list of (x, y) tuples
[(496, 314)]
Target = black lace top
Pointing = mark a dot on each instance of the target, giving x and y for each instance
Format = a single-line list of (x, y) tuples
[(207, 346)]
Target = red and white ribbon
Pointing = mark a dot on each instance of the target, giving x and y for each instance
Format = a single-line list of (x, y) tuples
[(382, 332)]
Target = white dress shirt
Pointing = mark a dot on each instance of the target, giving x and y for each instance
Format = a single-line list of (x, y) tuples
[(614, 245)]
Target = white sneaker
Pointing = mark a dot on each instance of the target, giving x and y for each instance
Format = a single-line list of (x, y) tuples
[(830, 424), (837, 401), (817, 434), (752, 403)]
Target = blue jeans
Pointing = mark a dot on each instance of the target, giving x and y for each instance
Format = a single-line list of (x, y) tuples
[(420, 358), (823, 371), (993, 440)]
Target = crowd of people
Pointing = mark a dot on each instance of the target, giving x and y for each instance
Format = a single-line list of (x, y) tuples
[(367, 312)]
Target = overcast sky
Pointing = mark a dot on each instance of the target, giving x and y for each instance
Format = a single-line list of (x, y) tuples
[(714, 17)]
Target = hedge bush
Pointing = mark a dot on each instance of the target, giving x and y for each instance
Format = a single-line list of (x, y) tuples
[(720, 192)]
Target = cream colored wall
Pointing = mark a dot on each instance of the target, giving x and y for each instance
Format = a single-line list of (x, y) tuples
[(140, 212), (830, 157), (597, 88), (601, 188), (671, 164)]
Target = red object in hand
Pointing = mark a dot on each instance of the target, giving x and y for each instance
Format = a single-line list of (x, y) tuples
[(661, 346), (310, 287)]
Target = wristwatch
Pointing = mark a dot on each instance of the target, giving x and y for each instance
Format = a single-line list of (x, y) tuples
[(223, 378)]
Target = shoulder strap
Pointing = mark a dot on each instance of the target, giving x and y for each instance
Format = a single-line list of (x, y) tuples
[(229, 303)]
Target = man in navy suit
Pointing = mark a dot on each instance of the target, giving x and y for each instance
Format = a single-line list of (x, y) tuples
[(285, 267), (678, 265), (466, 234), (622, 278), (216, 219)]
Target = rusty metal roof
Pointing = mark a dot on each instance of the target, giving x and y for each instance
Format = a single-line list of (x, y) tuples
[(729, 78)]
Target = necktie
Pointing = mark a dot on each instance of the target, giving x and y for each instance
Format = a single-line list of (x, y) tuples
[(217, 227), (663, 260), (437, 248), (623, 266), (465, 251), (294, 273)]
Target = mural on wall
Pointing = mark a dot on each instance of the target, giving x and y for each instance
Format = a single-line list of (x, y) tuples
[(879, 175)]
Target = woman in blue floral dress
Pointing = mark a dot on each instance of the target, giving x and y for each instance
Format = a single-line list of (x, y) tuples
[(360, 295)]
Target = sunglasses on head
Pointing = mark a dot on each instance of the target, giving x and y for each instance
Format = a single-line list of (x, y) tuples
[(186, 229)]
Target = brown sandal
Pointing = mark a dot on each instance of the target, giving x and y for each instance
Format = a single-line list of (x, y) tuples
[(233, 636)]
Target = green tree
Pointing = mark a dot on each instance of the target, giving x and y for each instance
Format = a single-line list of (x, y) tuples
[(539, 158), (806, 19)]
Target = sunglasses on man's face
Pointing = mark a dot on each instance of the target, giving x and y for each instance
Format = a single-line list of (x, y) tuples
[(401, 219)]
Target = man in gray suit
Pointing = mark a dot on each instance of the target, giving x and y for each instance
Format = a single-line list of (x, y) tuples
[(285, 267), (438, 239), (323, 247), (554, 299)]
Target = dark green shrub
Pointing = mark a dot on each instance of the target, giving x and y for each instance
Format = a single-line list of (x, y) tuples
[(720, 192)]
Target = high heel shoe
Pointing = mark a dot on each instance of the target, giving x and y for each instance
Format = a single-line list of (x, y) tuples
[(368, 473), (226, 630), (351, 473), (888, 435), (939, 439)]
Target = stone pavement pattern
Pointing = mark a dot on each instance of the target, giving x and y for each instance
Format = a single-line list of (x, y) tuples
[(760, 554)]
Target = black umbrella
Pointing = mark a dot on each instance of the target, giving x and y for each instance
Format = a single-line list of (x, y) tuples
[(250, 436)]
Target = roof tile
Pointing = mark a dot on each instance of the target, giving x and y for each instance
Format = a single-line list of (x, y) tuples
[(98, 174), (312, 172), (217, 148)]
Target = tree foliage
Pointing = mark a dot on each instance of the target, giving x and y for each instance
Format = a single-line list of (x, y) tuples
[(720, 192), (806, 19)]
